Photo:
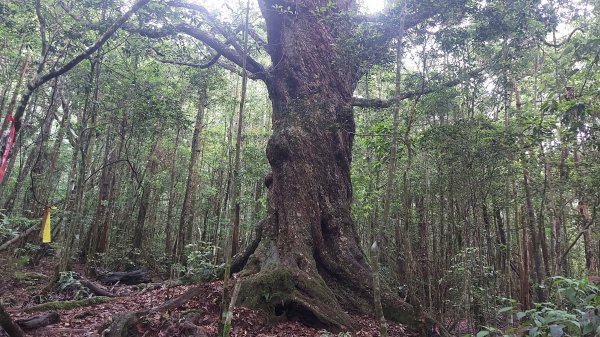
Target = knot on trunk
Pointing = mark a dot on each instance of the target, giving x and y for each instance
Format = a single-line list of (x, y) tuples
[(278, 149)]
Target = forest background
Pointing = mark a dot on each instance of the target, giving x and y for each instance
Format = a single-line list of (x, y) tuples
[(480, 178)]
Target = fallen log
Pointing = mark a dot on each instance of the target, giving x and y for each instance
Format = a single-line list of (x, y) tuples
[(96, 289), (130, 277), (65, 305), (36, 322), (29, 276)]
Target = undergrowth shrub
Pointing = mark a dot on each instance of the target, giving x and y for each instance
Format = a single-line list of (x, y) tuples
[(572, 310), (200, 264)]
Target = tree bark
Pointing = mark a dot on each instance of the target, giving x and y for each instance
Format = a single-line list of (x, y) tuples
[(309, 265), (9, 325)]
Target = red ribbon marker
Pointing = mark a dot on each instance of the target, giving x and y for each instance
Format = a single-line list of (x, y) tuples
[(9, 144)]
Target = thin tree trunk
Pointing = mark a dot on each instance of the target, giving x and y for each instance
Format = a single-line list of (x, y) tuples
[(387, 199), (562, 261), (76, 181), (172, 193), (232, 241), (96, 241), (64, 125), (35, 159), (138, 232), (586, 224), (535, 241), (185, 218), (13, 100), (524, 274), (423, 249)]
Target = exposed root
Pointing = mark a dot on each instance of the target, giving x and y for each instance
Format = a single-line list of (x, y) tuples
[(281, 292)]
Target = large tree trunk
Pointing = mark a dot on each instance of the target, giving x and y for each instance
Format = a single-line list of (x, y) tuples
[(309, 265)]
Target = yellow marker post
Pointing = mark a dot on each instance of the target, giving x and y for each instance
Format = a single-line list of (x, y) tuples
[(46, 232)]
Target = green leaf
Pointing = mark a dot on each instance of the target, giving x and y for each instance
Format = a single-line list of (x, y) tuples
[(482, 333), (505, 310), (520, 315), (556, 330), (573, 326), (588, 327), (533, 332)]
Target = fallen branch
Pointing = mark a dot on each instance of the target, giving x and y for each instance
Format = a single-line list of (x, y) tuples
[(153, 286), (176, 302), (65, 305), (36, 322), (16, 238), (121, 322)]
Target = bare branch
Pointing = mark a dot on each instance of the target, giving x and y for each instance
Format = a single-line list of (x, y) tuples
[(386, 103), (253, 66), (256, 70), (558, 45)]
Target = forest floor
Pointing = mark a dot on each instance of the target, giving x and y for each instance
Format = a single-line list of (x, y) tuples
[(198, 316)]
